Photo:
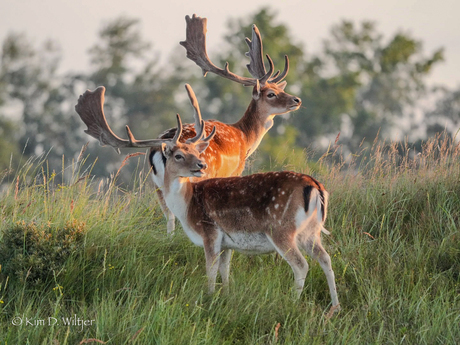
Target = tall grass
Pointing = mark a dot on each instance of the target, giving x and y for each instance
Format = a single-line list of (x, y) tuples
[(395, 249)]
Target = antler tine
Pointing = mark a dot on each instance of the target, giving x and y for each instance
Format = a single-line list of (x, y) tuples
[(90, 107), (276, 79), (199, 123), (267, 76), (211, 135), (199, 133), (195, 105), (175, 140), (274, 76), (256, 65), (195, 44)]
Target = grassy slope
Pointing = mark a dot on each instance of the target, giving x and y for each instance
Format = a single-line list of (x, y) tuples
[(395, 249)]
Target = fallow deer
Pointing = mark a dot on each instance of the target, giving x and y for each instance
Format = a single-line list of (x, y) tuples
[(233, 143), (255, 214)]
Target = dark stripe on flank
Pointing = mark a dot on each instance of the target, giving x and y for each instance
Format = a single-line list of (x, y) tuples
[(322, 204), (306, 196)]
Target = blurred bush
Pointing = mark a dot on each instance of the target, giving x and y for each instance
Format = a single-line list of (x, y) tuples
[(36, 253)]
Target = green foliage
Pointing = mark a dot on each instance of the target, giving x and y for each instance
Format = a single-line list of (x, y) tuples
[(9, 153), (279, 152), (37, 253), (35, 101), (446, 115), (373, 83), (120, 40)]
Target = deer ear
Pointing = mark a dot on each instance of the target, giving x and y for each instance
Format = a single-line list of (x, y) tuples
[(282, 85), (202, 146), (166, 150), (256, 91)]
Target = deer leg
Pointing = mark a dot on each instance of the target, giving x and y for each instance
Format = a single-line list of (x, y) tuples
[(170, 218), (291, 253), (224, 266), (315, 249), (212, 263)]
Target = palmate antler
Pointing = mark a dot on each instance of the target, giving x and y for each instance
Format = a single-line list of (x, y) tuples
[(195, 44), (90, 107)]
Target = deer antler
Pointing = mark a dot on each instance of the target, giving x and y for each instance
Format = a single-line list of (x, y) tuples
[(256, 52), (256, 67), (195, 105), (90, 108), (199, 123), (195, 44)]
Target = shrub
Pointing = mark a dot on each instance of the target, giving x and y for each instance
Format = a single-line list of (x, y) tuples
[(35, 252)]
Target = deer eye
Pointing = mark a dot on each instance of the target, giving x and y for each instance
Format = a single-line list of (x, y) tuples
[(178, 157), (271, 95)]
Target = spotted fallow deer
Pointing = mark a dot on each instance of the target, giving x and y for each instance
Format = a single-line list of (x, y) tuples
[(233, 143), (255, 214)]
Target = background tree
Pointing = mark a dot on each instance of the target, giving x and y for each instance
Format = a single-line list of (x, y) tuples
[(446, 114), (9, 151), (32, 89), (364, 83)]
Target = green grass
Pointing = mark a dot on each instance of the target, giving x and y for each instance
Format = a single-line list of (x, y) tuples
[(395, 249)]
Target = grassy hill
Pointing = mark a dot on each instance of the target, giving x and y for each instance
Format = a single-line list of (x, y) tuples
[(88, 262)]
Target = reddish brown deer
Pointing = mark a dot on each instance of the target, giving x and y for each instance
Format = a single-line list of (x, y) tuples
[(256, 214), (233, 143)]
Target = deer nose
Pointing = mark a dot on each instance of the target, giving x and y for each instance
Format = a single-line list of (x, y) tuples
[(297, 100), (202, 165)]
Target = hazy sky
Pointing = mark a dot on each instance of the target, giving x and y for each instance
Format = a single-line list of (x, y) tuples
[(75, 24)]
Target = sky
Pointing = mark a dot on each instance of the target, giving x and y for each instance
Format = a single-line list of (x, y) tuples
[(75, 24)]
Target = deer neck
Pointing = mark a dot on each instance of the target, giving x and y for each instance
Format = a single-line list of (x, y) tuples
[(178, 192), (254, 124)]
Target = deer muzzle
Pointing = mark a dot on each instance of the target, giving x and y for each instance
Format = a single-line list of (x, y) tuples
[(200, 171)]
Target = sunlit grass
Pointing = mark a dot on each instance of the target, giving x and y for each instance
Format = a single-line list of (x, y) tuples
[(395, 248)]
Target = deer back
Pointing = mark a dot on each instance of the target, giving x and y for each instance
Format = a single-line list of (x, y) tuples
[(258, 203)]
